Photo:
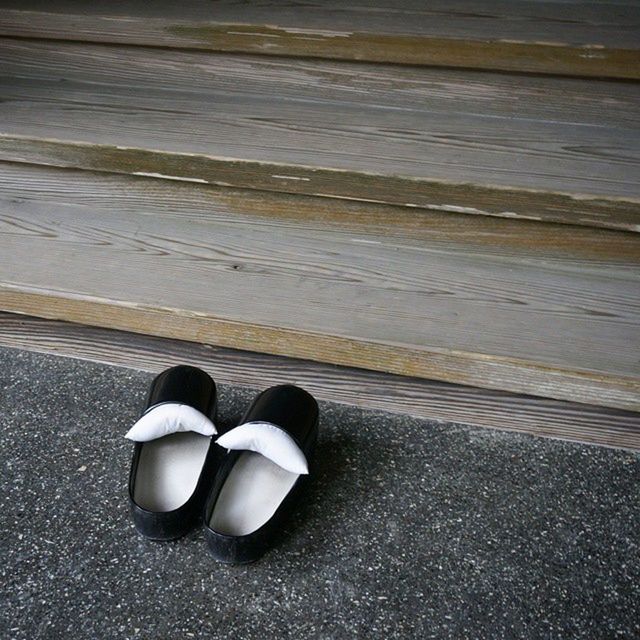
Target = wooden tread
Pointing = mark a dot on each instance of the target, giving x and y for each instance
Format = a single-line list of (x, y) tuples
[(585, 38), (372, 390), (551, 149), (532, 308)]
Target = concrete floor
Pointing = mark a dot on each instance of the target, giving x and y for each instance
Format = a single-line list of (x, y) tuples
[(411, 529)]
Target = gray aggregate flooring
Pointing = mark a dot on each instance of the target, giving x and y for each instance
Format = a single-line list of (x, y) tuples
[(410, 529)]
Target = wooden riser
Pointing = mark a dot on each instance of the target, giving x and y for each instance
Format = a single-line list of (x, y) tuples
[(398, 394), (543, 309), (590, 39), (548, 149)]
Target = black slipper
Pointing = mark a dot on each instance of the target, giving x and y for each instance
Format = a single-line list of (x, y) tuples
[(261, 475), (175, 457)]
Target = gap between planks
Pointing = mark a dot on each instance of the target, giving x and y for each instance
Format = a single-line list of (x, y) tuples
[(367, 389)]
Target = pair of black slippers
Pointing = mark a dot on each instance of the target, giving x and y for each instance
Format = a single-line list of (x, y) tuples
[(242, 484)]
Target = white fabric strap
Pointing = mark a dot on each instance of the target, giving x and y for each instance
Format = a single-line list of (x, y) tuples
[(170, 417), (270, 441)]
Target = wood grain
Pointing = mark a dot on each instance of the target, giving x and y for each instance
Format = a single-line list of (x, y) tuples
[(328, 285), (368, 389), (569, 151), (417, 196), (574, 38)]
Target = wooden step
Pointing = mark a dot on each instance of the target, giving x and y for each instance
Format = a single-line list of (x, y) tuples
[(576, 38), (550, 310), (369, 389), (551, 149)]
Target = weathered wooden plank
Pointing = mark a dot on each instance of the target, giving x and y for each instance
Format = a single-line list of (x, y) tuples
[(414, 194), (423, 300), (368, 389), (575, 38), (423, 138), (451, 233)]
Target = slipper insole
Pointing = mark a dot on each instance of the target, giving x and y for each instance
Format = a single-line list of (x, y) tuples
[(169, 469), (251, 494)]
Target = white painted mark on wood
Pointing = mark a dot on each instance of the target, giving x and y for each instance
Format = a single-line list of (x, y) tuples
[(354, 198), (544, 43), (252, 34), (290, 178), (454, 208), (319, 32), (162, 175)]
